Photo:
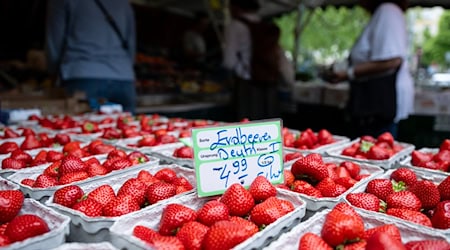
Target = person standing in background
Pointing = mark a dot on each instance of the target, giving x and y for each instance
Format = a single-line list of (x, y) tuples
[(381, 85), (91, 45), (194, 44)]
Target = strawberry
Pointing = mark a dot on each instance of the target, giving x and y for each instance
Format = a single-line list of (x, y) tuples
[(96, 169), (410, 215), (116, 153), (420, 158), (444, 189), (292, 156), (365, 201), (89, 127), (174, 216), (427, 192), (340, 228), (11, 202), (26, 226), (212, 211), (147, 141), (135, 188), (89, 207), (404, 200), (324, 137), (146, 177), (224, 235), (386, 137), (405, 175), (345, 208), (21, 155), (166, 174), (53, 156), (441, 156), (341, 172), (4, 240), (8, 147), (353, 168), (27, 182), (289, 178), (311, 241), (120, 163), (166, 242), (310, 166), (102, 194), (182, 181), (144, 233), (383, 241), (361, 176), (137, 157), (377, 153), (72, 177), (306, 140), (184, 152), (3, 228), (45, 181), (390, 229), (329, 188), (238, 200), (160, 191), (53, 169), (381, 188), (347, 182), (441, 215), (9, 133), (191, 234), (27, 132), (249, 226), (39, 159), (304, 187), (445, 145), (121, 205), (427, 244), (267, 212), (368, 138), (62, 138), (102, 149), (71, 164), (10, 163), (68, 195), (261, 189), (30, 142)]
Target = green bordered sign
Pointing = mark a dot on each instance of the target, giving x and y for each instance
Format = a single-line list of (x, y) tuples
[(237, 153)]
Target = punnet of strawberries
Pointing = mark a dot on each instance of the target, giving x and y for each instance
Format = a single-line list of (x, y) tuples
[(220, 223), (32, 140), (403, 194), (439, 160), (307, 139), (381, 148), (135, 193)]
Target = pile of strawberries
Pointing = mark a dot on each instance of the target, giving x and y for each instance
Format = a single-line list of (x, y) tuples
[(406, 196), (343, 228), (72, 168), (135, 193), (435, 161), (312, 176), (307, 139), (34, 141), (220, 223), (381, 148), (15, 227)]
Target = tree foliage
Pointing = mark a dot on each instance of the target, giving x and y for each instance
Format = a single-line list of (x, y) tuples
[(434, 48)]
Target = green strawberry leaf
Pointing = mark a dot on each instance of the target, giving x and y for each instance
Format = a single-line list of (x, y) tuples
[(365, 146)]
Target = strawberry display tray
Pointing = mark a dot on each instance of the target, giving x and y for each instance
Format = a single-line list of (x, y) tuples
[(57, 223), (436, 178), (407, 162), (315, 204), (165, 154), (86, 246), (122, 229), (392, 162), (96, 229), (290, 240), (42, 194), (8, 185)]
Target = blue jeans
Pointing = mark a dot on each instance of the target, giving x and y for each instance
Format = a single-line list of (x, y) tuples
[(97, 90)]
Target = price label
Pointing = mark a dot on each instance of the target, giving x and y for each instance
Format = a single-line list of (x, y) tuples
[(237, 153)]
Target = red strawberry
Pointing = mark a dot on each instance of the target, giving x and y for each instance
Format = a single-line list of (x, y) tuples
[(328, 188), (73, 177), (89, 127), (441, 215), (53, 156), (352, 167), (268, 211), (390, 229), (174, 216), (410, 215), (121, 205), (383, 241), (377, 153), (381, 188), (405, 175), (137, 157), (427, 192), (365, 201), (27, 132), (420, 158), (45, 181), (30, 142), (345, 208), (224, 235), (21, 155), (89, 207), (62, 139), (4, 240), (347, 182), (249, 226), (191, 234), (96, 169), (166, 174), (9, 133), (135, 188), (444, 189), (304, 187), (102, 194), (10, 163), (183, 182), (442, 156), (238, 200), (324, 137), (102, 149), (212, 211), (311, 241), (27, 182), (184, 152), (71, 164), (261, 189), (53, 169), (166, 242), (119, 153), (8, 147), (292, 156), (310, 166), (361, 176), (427, 244), (160, 191), (339, 228), (120, 163), (146, 177), (404, 200), (289, 178), (147, 141), (386, 137), (40, 158), (26, 226), (11, 202), (144, 233), (68, 195)]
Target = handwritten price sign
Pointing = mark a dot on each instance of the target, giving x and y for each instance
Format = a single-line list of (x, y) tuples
[(237, 154)]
